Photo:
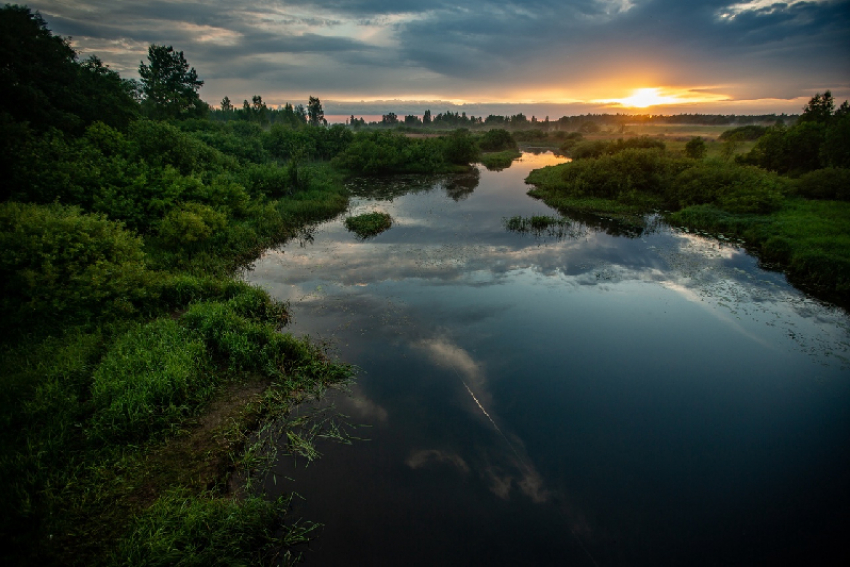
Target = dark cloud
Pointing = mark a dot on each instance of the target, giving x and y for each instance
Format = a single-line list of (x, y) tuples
[(482, 49)]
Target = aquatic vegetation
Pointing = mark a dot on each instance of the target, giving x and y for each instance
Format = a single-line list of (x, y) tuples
[(369, 224)]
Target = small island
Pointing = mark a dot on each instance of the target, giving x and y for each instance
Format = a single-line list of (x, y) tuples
[(369, 224)]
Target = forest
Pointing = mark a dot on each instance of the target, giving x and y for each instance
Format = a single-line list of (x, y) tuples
[(137, 369)]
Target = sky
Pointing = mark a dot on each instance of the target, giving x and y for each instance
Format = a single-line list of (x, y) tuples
[(540, 57)]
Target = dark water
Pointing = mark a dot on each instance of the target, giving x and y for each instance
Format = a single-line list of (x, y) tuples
[(593, 398)]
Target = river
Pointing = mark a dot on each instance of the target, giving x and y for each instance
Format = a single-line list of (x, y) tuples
[(592, 397)]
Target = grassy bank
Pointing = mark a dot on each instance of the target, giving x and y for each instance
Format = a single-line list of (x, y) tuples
[(808, 239)]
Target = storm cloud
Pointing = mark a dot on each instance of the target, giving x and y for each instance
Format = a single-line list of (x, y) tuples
[(482, 51)]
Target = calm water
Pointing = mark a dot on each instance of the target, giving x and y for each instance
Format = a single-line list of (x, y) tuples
[(594, 398)]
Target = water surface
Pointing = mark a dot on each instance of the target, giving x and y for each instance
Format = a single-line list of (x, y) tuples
[(590, 398)]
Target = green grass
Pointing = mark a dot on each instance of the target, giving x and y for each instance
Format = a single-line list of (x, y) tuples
[(809, 240), (369, 224)]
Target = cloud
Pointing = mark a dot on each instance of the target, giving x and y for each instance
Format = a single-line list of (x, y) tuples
[(484, 50)]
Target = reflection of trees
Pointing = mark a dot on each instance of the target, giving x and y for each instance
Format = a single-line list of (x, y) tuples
[(461, 186), (574, 225), (456, 186)]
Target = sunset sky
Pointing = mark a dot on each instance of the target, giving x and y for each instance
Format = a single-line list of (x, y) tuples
[(543, 57)]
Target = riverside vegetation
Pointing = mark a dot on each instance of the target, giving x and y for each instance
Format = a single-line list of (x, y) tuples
[(144, 385), (787, 198)]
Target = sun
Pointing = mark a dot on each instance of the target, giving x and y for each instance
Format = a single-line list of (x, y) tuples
[(642, 98)]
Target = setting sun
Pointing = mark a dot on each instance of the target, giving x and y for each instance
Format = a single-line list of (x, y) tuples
[(647, 97)]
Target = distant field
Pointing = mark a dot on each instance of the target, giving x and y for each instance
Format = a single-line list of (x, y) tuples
[(678, 130)]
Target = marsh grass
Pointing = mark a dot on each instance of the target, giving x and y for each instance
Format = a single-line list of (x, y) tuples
[(369, 224)]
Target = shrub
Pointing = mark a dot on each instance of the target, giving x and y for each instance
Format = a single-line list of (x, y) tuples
[(733, 188), (496, 140), (695, 148), (829, 183), (56, 262)]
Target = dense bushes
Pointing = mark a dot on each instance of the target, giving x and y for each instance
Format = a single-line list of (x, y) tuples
[(828, 183), (57, 263), (382, 152), (656, 179), (496, 140)]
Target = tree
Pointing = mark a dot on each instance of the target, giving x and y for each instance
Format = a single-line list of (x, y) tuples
[(819, 109), (389, 119), (226, 105), (426, 118), (315, 113), (169, 85), (42, 82)]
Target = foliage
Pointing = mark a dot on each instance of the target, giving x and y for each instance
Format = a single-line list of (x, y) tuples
[(835, 150), (820, 108), (597, 148), (315, 114), (819, 139), (496, 161), (496, 140), (369, 224), (828, 183), (748, 132), (381, 152), (60, 264), (148, 380), (809, 239), (42, 82), (169, 85), (459, 148), (653, 179), (695, 148)]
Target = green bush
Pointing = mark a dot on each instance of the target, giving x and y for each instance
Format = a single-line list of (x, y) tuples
[(748, 132), (828, 183), (190, 225), (496, 140), (695, 148), (58, 263), (733, 188)]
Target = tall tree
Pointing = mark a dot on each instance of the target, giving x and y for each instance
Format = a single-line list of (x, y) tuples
[(315, 113), (819, 109), (43, 84), (169, 85), (226, 105)]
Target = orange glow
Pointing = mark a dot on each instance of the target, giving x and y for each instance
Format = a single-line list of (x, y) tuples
[(643, 98)]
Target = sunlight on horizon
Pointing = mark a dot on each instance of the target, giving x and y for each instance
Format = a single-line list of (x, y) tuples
[(652, 96)]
